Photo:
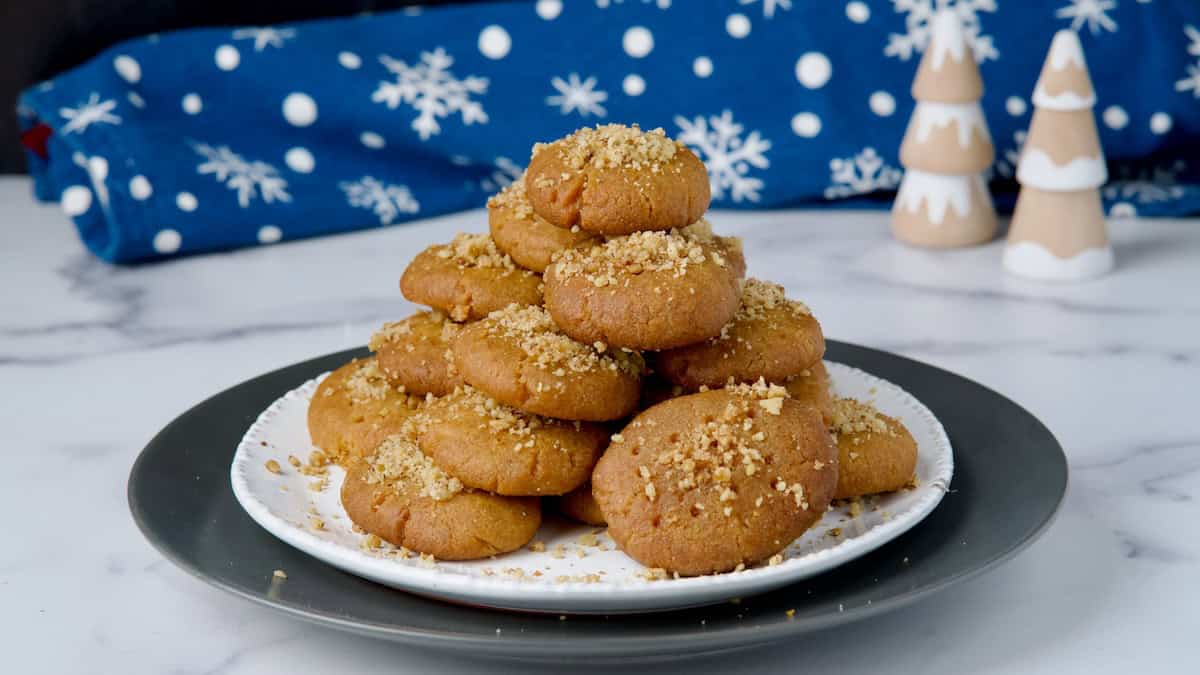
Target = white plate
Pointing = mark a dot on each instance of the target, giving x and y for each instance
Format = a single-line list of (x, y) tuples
[(573, 574)]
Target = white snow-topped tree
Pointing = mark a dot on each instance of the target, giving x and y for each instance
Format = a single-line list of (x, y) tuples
[(943, 199), (1058, 230)]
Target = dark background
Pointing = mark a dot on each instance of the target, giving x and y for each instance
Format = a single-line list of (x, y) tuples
[(39, 38)]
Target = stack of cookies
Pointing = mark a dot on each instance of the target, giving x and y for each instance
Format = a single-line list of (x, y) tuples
[(602, 348)]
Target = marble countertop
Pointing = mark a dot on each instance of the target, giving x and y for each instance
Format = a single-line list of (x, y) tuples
[(94, 359)]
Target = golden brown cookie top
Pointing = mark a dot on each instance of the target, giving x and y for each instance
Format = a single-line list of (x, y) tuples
[(398, 460), (614, 146), (366, 383), (851, 416), (416, 329), (761, 298), (547, 347), (711, 453), (474, 250), (518, 425), (638, 253)]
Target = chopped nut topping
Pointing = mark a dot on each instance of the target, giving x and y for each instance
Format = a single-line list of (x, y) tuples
[(513, 198), (760, 300), (550, 349), (637, 253), (398, 459), (403, 331), (613, 146), (475, 250), (854, 417), (273, 466), (367, 383), (520, 426)]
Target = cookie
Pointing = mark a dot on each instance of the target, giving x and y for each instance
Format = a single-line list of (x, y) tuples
[(707, 482), (354, 408), (731, 246), (614, 179), (813, 388), (398, 495), (770, 337), (580, 505), (519, 357), (648, 290), (524, 235), (468, 278), (415, 353), (876, 453), (490, 446)]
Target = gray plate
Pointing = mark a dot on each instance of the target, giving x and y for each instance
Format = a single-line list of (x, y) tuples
[(1009, 478)]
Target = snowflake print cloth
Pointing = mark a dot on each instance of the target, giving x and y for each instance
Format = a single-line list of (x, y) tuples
[(219, 138)]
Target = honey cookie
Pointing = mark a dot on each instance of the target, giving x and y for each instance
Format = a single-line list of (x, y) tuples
[(415, 353), (707, 482), (468, 278), (648, 290), (580, 505), (813, 387), (731, 246), (614, 179), (518, 356), (524, 235), (876, 453), (770, 337), (398, 495), (354, 408), (490, 446)]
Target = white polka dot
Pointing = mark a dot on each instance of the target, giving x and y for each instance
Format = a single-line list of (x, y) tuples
[(1015, 105), (494, 42), (858, 12), (460, 160), (98, 169), (372, 140), (638, 42), (186, 201), (349, 60), (129, 69), (192, 104), (806, 124), (549, 9), (663, 4), (737, 25), (882, 103), (1160, 123), (300, 160), (76, 200), (228, 57), (136, 100), (1123, 210), (1115, 117), (269, 234), (140, 188), (300, 110), (813, 70), (633, 85), (702, 66), (167, 241)]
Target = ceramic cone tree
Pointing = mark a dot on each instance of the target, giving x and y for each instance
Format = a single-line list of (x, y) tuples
[(1058, 230), (943, 200)]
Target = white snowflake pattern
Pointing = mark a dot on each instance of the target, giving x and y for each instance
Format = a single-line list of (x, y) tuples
[(575, 95), (1192, 81), (250, 178), (860, 174), (769, 6), (92, 111), (504, 172), (1147, 186), (1093, 13), (432, 90), (728, 157), (265, 37), (385, 200), (1008, 158), (918, 23)]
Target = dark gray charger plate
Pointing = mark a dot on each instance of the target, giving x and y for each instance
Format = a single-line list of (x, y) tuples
[(1009, 478)]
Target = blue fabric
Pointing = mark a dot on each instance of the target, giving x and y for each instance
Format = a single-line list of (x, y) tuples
[(217, 138)]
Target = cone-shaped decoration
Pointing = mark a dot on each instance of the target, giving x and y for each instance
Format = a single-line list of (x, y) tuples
[(948, 72), (943, 211), (1062, 152), (949, 138), (1058, 236), (1064, 83)]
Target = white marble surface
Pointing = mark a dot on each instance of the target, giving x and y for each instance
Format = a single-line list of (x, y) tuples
[(95, 359)]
